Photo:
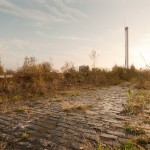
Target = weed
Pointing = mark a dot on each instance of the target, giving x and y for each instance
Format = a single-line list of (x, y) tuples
[(102, 147), (141, 140), (134, 130), (135, 103), (16, 98), (21, 109), (130, 145), (71, 93), (25, 135)]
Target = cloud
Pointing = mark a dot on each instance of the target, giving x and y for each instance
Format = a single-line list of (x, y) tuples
[(70, 38), (43, 10)]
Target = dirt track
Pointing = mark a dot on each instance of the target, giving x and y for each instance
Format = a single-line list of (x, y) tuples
[(70, 122)]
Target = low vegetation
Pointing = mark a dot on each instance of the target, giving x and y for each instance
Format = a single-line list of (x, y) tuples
[(25, 136), (34, 79), (130, 145), (136, 102), (142, 140), (134, 130), (70, 93), (133, 144)]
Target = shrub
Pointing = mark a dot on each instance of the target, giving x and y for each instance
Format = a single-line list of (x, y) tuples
[(1, 69)]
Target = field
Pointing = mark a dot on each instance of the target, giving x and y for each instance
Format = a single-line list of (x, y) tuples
[(98, 109)]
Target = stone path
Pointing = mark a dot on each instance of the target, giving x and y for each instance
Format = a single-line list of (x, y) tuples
[(68, 122)]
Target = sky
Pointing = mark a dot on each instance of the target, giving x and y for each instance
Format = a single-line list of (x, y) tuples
[(60, 31)]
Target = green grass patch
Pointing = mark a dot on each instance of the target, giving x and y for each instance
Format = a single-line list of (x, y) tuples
[(25, 135), (133, 130), (130, 145), (136, 103)]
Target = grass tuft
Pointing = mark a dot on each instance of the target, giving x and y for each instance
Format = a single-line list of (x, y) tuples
[(136, 103), (130, 145), (25, 135), (134, 130)]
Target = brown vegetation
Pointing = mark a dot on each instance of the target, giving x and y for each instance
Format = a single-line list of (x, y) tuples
[(34, 79)]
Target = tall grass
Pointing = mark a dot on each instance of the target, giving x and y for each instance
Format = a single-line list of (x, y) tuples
[(40, 79)]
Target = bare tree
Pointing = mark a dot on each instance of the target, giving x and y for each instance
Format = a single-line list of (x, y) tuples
[(93, 56)]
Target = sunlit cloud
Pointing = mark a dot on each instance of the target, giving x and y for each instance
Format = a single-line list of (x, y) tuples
[(53, 11)]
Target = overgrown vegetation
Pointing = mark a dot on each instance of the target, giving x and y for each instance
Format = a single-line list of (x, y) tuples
[(136, 102), (130, 145), (34, 79)]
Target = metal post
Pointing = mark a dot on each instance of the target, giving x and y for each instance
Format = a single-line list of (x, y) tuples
[(126, 48)]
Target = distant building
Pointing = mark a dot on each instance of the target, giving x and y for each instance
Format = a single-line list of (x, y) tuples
[(84, 69)]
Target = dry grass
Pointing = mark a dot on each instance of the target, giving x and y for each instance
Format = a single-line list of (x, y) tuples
[(71, 93), (5, 107), (134, 130), (130, 145), (74, 106), (147, 120), (22, 109), (134, 144), (34, 79), (136, 102), (142, 140)]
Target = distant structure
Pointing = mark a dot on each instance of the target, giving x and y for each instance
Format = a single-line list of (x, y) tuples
[(84, 69), (126, 48)]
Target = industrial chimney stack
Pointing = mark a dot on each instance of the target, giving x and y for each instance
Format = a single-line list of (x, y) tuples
[(126, 48)]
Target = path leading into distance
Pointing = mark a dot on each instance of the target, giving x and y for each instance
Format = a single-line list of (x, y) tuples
[(69, 122)]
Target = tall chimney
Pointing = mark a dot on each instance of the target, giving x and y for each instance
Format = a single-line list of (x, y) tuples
[(126, 48)]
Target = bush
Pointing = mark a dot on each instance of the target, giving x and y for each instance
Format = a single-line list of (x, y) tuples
[(1, 70), (40, 79)]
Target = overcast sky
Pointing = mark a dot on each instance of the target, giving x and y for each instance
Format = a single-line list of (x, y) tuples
[(68, 30)]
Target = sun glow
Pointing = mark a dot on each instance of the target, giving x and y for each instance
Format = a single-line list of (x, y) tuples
[(141, 53)]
